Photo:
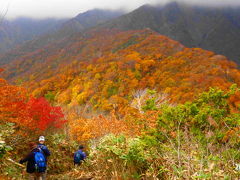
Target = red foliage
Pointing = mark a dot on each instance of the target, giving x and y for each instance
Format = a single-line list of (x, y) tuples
[(102, 68), (12, 102), (43, 115), (32, 114)]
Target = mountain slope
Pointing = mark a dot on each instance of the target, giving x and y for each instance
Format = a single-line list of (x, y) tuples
[(214, 29), (103, 69), (80, 23), (20, 30), (89, 19)]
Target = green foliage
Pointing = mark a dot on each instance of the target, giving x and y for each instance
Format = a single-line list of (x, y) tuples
[(209, 113), (112, 91), (135, 155), (5, 131), (138, 75), (62, 149), (151, 102), (50, 96), (189, 142), (2, 148), (203, 176), (12, 171), (60, 161), (130, 42)]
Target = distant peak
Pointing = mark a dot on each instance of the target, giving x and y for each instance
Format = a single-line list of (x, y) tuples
[(145, 6), (173, 5), (96, 11)]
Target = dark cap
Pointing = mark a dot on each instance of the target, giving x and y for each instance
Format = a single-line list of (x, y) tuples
[(32, 144), (81, 147)]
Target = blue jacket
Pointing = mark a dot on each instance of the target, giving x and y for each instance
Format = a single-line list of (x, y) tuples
[(45, 150), (30, 161), (83, 155)]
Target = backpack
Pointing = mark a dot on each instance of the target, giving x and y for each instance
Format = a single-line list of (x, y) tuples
[(40, 161), (44, 150), (78, 156)]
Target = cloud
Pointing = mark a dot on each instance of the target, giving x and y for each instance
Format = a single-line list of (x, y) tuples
[(221, 3), (70, 8)]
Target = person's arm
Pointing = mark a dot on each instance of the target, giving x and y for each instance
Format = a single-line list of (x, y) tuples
[(46, 151), (27, 158), (74, 154), (84, 155)]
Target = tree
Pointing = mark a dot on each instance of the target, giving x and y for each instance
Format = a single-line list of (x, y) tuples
[(42, 115), (27, 113)]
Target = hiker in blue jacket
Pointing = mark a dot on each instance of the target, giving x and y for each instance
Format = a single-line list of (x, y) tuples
[(43, 147), (45, 151), (79, 155), (31, 163)]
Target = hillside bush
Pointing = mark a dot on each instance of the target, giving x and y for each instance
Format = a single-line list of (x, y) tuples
[(195, 140)]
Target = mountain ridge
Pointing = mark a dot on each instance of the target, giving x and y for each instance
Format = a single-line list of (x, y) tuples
[(22, 29), (104, 67), (68, 28), (210, 28)]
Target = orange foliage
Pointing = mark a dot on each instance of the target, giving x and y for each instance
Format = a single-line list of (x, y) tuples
[(12, 101), (84, 129), (103, 68), (30, 114)]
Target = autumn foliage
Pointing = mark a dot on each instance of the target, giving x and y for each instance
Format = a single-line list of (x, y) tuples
[(42, 115), (28, 113), (12, 102), (136, 83), (85, 129), (103, 69)]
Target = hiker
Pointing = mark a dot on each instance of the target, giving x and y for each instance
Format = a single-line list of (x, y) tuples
[(45, 151), (43, 147), (79, 155), (36, 162)]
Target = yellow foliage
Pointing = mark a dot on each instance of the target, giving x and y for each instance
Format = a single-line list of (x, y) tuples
[(64, 97), (90, 67), (97, 76), (133, 56), (82, 97)]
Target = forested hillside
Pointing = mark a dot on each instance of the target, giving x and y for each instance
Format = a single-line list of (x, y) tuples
[(103, 68), (143, 105), (89, 19), (17, 31), (59, 32), (212, 28)]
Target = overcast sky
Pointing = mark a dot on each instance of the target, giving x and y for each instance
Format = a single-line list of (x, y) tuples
[(70, 8)]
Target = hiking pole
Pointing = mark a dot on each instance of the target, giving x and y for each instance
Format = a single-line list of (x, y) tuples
[(20, 165), (12, 161)]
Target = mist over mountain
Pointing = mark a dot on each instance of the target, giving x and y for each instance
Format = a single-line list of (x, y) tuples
[(79, 23), (63, 9), (156, 108), (22, 29), (99, 66), (212, 28), (89, 19)]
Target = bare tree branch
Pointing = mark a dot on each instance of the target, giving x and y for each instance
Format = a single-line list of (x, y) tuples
[(3, 15), (140, 97)]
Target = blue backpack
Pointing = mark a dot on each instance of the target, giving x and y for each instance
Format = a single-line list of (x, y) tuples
[(78, 156), (40, 162)]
